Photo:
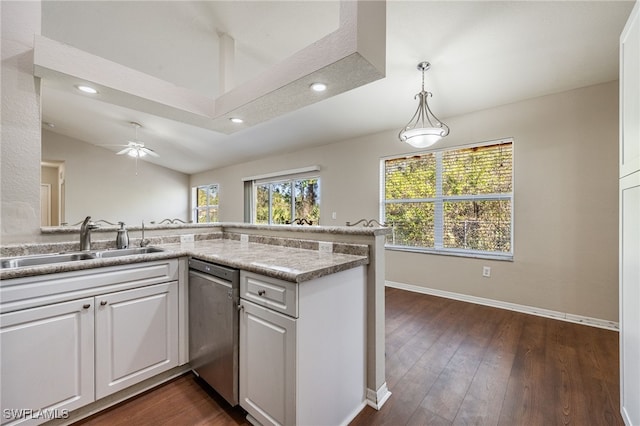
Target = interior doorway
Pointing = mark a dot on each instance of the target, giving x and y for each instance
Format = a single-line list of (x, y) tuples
[(45, 204), (52, 193)]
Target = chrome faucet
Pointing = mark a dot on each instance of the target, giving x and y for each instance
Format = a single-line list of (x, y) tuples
[(143, 242), (85, 233)]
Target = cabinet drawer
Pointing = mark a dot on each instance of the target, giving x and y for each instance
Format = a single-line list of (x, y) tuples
[(281, 296), (28, 292)]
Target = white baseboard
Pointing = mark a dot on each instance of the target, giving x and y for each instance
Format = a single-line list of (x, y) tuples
[(563, 316), (253, 420), (354, 414), (377, 398)]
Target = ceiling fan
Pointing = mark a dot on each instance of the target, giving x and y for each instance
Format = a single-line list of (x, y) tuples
[(136, 148)]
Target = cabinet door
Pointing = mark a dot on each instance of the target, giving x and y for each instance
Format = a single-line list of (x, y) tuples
[(136, 336), (629, 98), (267, 365), (630, 298), (46, 361)]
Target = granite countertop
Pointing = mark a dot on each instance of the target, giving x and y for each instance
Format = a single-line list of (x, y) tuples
[(286, 263), (292, 264)]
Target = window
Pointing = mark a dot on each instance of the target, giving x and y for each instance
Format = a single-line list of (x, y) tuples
[(206, 202), (457, 201), (287, 200)]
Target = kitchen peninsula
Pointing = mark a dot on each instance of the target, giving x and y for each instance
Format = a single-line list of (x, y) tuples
[(291, 254)]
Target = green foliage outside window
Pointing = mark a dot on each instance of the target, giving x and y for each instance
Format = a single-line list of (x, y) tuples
[(278, 202), (207, 202), (479, 170), (410, 178), (307, 193), (478, 225), (262, 203), (413, 224)]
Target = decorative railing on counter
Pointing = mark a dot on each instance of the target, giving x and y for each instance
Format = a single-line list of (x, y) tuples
[(95, 221), (367, 223), (300, 221), (171, 221)]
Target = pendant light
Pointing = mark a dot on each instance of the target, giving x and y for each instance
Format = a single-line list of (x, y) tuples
[(424, 129)]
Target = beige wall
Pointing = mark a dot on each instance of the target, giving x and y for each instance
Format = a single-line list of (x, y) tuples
[(105, 186), (565, 213)]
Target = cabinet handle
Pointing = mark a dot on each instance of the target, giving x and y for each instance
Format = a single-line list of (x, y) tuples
[(86, 306), (240, 307), (261, 292), (104, 302)]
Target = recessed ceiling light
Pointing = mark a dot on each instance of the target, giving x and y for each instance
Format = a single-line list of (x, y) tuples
[(318, 87), (236, 120), (86, 89)]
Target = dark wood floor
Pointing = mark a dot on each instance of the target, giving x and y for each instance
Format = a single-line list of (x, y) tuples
[(448, 363), (185, 400), (455, 363)]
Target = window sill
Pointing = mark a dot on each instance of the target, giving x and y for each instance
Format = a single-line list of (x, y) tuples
[(473, 255)]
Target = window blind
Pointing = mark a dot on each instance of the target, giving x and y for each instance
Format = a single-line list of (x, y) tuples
[(457, 200)]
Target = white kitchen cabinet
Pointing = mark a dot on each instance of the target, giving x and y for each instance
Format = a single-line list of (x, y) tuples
[(629, 98), (629, 200), (629, 277), (136, 336), (69, 339), (47, 361), (302, 349), (268, 364)]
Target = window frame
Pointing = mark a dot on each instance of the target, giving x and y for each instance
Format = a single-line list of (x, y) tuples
[(205, 207), (439, 200)]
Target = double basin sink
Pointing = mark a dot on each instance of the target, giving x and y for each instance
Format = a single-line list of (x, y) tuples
[(47, 259)]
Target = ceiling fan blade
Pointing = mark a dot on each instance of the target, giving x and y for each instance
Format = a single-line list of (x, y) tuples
[(124, 151), (149, 151)]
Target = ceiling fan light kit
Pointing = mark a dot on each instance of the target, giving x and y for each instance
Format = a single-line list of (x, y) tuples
[(424, 129), (135, 148)]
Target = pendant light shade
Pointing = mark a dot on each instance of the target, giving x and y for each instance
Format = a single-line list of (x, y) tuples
[(424, 129)]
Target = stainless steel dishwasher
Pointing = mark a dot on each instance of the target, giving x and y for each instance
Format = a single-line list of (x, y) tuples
[(213, 326)]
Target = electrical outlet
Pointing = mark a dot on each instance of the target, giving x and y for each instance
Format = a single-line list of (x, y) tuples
[(187, 238), (244, 238), (486, 271), (334, 216), (325, 247)]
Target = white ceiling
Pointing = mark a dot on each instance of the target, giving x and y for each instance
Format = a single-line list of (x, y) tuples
[(483, 54)]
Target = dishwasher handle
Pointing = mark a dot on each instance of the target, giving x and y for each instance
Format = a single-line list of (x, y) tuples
[(223, 272)]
